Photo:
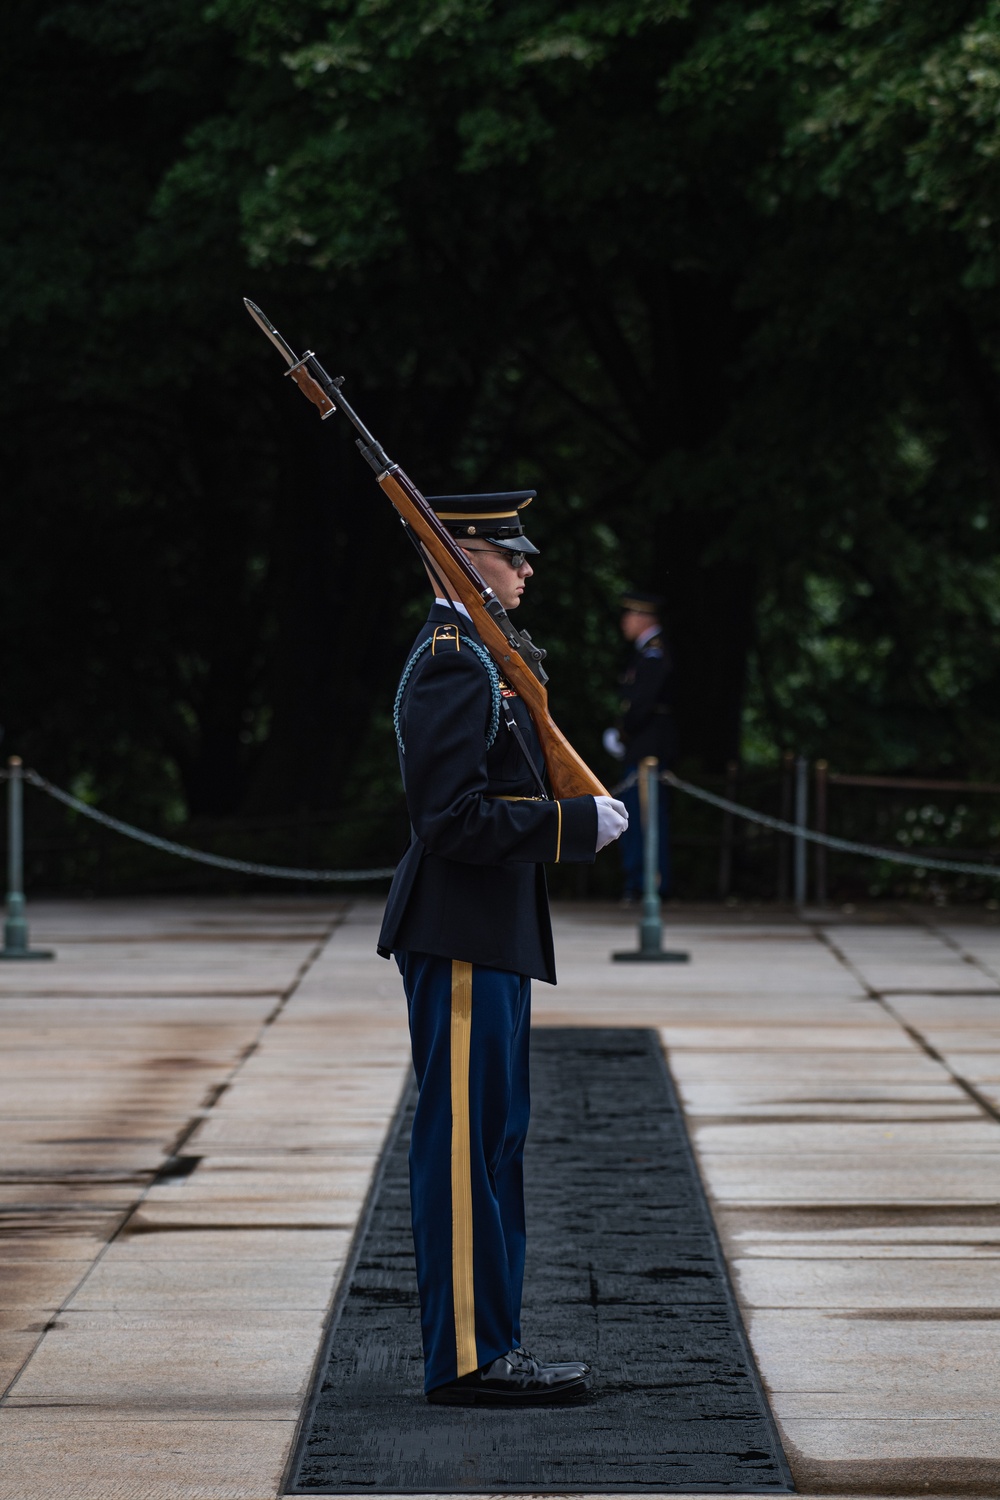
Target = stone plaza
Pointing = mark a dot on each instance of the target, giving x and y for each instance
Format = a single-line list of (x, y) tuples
[(196, 1093)]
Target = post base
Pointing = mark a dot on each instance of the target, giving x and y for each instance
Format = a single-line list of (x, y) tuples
[(664, 956), (14, 955)]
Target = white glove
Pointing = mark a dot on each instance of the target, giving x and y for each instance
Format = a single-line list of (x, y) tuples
[(612, 742), (612, 821)]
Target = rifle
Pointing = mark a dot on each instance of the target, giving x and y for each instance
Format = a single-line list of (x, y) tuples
[(517, 657)]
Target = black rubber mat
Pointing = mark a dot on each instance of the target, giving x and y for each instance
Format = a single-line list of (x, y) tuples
[(623, 1270)]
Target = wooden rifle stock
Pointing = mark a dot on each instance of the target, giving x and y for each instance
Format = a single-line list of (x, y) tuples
[(569, 774)]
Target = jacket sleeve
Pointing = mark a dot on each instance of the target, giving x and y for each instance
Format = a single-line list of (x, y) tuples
[(444, 721)]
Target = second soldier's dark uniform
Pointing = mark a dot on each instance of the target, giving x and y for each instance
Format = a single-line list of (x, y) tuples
[(467, 921), (647, 728)]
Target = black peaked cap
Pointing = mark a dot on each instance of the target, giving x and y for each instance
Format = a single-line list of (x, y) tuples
[(642, 602), (496, 517)]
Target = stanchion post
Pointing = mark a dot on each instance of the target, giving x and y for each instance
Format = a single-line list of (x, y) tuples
[(785, 814), (651, 949), (822, 771), (801, 819), (726, 847), (15, 928)]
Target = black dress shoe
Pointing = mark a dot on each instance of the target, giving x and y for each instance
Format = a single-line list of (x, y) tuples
[(517, 1379)]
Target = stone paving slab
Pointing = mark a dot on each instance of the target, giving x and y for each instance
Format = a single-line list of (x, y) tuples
[(171, 1460), (826, 1099), (159, 1334), (823, 1368), (223, 1280), (904, 1242), (876, 1283), (243, 1364)]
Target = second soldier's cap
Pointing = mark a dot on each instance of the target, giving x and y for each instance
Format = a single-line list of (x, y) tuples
[(641, 602), (496, 518)]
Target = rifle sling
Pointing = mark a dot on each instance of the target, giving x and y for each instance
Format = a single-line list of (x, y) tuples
[(515, 730)]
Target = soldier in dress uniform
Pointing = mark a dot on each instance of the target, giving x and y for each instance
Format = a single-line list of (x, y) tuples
[(645, 727), (467, 921)]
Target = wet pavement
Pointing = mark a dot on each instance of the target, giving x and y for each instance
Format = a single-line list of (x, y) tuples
[(195, 1094)]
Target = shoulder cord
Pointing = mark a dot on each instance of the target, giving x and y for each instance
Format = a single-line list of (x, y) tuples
[(480, 651), (498, 699), (491, 671)]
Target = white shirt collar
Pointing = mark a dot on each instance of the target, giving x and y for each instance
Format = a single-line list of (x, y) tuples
[(647, 635), (454, 604)]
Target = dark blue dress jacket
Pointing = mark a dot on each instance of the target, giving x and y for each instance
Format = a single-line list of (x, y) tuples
[(471, 885)]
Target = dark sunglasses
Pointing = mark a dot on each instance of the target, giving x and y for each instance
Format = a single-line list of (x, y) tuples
[(516, 559)]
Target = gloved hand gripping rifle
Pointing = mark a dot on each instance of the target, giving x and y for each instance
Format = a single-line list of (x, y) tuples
[(518, 659)]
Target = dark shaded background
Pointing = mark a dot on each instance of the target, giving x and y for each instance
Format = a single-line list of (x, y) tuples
[(719, 280)]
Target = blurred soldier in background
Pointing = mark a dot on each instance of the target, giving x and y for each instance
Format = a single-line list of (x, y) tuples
[(645, 727)]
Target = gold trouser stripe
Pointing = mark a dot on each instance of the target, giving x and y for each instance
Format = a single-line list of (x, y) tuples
[(463, 1289)]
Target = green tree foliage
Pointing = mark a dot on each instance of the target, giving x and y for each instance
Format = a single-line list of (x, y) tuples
[(718, 280)]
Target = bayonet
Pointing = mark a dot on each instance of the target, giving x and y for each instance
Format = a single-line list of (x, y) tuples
[(269, 328), (307, 372)]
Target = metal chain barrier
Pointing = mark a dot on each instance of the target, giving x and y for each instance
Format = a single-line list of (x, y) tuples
[(220, 861), (282, 872), (848, 846)]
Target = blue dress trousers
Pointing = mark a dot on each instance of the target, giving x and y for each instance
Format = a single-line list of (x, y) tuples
[(469, 1027)]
